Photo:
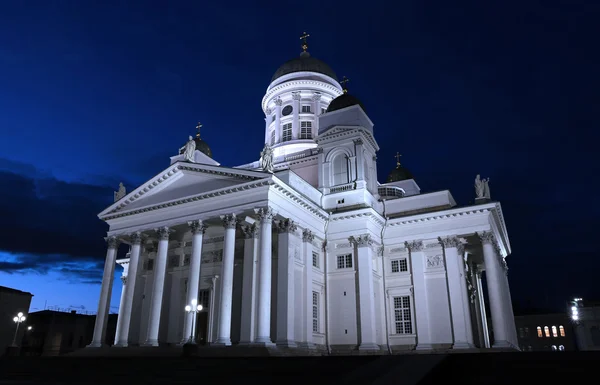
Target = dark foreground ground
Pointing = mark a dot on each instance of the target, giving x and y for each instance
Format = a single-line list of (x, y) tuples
[(483, 368)]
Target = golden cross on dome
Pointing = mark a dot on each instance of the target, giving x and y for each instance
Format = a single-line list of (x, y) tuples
[(343, 83), (198, 127), (303, 38), (397, 156)]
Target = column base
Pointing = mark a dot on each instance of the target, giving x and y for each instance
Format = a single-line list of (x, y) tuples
[(121, 344), (462, 345), (307, 345), (286, 344), (263, 341), (424, 347), (150, 343), (95, 344), (369, 346), (222, 342)]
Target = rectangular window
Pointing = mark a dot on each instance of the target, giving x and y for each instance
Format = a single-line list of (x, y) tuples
[(305, 130), (315, 310), (272, 137), (399, 265), (315, 259), (306, 109), (203, 297), (402, 316), (344, 261), (287, 132)]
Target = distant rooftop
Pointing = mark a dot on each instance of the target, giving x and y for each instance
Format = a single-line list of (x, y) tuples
[(14, 291)]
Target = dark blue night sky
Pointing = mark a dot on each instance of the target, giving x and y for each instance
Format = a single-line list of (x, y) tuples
[(93, 93)]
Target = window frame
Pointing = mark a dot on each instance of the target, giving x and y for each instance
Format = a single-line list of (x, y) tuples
[(402, 310), (316, 327), (401, 264), (306, 129), (347, 260)]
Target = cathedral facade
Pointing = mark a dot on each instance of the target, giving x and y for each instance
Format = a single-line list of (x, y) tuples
[(305, 248)]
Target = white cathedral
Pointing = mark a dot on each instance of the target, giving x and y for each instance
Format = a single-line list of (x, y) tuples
[(305, 248)]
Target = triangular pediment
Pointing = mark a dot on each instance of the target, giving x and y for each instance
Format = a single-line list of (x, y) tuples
[(182, 180)]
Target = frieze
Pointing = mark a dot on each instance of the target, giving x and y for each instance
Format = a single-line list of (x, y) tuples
[(435, 261), (343, 245), (432, 245), (398, 250)]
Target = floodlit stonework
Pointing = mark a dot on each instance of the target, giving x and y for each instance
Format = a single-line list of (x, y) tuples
[(304, 247)]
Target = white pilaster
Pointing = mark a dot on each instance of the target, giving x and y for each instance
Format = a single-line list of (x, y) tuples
[(248, 322), (364, 258), (459, 297), (360, 171), (485, 335), (496, 292), (224, 336), (417, 261), (105, 294), (307, 248), (268, 121), (285, 285), (278, 104), (193, 285), (317, 106), (264, 277), (296, 116), (158, 286)]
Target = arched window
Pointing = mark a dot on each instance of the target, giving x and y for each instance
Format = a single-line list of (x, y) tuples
[(554, 331), (562, 330), (539, 331), (340, 169), (547, 331)]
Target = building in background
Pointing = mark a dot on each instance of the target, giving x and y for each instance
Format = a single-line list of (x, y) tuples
[(585, 316), (58, 332), (12, 301), (545, 332)]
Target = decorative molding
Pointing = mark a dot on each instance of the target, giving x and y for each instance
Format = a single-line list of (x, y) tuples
[(112, 242), (293, 84), (229, 221), (414, 245), (435, 261), (268, 111), (449, 242), (163, 233), (197, 226), (250, 231), (487, 237), (316, 97), (358, 142), (287, 225), (398, 250), (307, 236), (136, 238), (296, 95), (343, 245), (265, 215), (363, 240), (278, 102), (432, 245)]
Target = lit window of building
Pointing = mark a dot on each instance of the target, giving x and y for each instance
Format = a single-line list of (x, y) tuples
[(547, 331), (539, 331), (562, 330), (554, 331)]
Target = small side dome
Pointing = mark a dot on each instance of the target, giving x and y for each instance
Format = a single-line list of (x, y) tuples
[(201, 145), (343, 101)]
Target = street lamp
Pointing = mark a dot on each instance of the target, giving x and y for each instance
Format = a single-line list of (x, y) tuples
[(195, 309), (18, 319)]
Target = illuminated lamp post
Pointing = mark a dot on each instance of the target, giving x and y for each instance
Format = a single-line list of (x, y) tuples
[(18, 319), (193, 309)]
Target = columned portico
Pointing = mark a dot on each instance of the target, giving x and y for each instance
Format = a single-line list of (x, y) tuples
[(364, 262), (124, 320), (197, 228), (224, 332), (265, 216), (285, 278), (497, 292), (307, 247), (459, 298), (158, 285), (105, 293)]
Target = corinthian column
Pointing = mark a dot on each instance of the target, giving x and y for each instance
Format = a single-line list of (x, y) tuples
[(417, 260), (265, 217), (496, 291), (277, 128), (307, 248), (364, 257), (105, 294), (198, 230), (285, 285), (457, 288), (248, 324), (158, 286), (224, 336)]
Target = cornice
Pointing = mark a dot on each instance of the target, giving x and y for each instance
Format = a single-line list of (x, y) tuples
[(294, 196), (340, 131), (451, 213), (371, 214), (294, 83)]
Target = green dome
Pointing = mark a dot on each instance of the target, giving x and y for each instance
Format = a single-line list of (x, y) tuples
[(343, 101), (398, 174), (201, 146), (303, 63)]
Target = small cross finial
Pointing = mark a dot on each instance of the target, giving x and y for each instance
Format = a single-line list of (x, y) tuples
[(303, 38), (198, 127), (397, 156), (343, 83)]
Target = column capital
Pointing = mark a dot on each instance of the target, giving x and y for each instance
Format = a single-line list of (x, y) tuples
[(163, 233), (414, 245), (363, 240), (197, 226), (136, 238), (287, 226), (449, 242), (358, 142), (112, 242), (487, 237), (296, 95), (265, 215), (278, 102), (380, 250), (250, 231), (268, 111), (229, 221), (316, 97), (307, 236)]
